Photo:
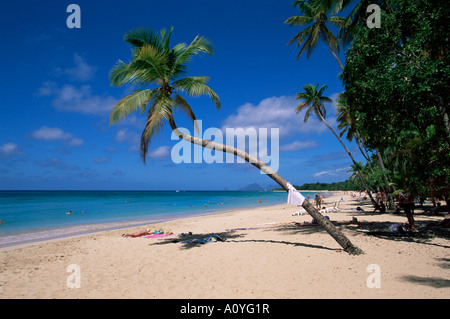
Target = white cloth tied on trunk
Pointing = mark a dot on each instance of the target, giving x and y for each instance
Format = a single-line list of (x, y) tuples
[(294, 196)]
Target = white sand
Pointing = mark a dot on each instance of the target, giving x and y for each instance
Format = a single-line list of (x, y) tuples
[(276, 261)]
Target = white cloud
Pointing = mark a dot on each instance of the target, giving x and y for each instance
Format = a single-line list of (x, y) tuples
[(123, 135), (333, 172), (46, 133), (275, 112), (160, 153), (75, 142), (297, 145), (102, 160), (76, 99), (81, 71), (57, 163), (50, 134), (9, 149), (81, 100)]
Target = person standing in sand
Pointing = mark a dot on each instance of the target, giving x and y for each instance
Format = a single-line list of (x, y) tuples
[(408, 207), (317, 201)]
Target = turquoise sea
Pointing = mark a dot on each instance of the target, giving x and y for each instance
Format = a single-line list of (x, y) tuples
[(39, 215)]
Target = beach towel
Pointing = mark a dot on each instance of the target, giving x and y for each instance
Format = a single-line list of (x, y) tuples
[(294, 196), (157, 235)]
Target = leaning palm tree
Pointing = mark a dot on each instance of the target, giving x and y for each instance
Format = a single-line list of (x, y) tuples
[(159, 72), (314, 103), (315, 17)]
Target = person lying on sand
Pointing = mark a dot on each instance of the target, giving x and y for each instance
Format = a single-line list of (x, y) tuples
[(138, 233), (148, 232), (444, 223)]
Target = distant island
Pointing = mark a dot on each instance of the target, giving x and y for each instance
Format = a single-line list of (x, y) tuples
[(335, 186)]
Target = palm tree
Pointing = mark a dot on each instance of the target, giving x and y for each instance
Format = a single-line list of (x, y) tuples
[(354, 168), (347, 123), (313, 102), (155, 63), (315, 17)]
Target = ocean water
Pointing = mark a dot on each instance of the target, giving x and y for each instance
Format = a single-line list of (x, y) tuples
[(39, 215)]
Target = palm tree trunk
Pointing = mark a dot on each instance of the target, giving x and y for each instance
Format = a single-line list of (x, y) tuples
[(446, 122), (364, 145), (374, 203), (336, 57), (386, 179), (362, 152), (340, 238)]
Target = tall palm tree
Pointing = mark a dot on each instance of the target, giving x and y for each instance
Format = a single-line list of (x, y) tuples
[(354, 168), (315, 17), (313, 102), (155, 63), (347, 124)]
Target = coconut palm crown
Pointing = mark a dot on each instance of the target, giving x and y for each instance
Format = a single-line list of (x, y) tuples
[(159, 74), (315, 18), (313, 101)]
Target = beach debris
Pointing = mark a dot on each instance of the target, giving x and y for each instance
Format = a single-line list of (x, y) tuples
[(158, 235), (185, 234), (209, 239)]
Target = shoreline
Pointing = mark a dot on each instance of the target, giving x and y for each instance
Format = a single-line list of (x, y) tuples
[(266, 253), (61, 232), (95, 228)]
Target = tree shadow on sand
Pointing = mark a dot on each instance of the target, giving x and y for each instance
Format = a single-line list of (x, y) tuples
[(425, 234), (190, 240), (193, 240), (428, 281)]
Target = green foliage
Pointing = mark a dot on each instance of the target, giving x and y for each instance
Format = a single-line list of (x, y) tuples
[(397, 80), (348, 185), (158, 71), (313, 101), (316, 18)]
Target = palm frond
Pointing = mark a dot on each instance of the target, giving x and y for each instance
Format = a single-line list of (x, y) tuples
[(140, 36), (150, 64), (158, 114), (298, 20), (129, 104), (195, 86), (120, 74), (183, 105), (301, 106), (197, 46)]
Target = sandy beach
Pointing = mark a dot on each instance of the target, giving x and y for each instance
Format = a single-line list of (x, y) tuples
[(265, 253)]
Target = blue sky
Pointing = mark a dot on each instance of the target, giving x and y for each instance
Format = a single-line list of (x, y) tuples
[(56, 96)]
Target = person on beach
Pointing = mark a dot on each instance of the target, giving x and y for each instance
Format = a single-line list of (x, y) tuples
[(408, 207), (381, 207), (444, 223), (317, 199), (378, 197), (138, 233)]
